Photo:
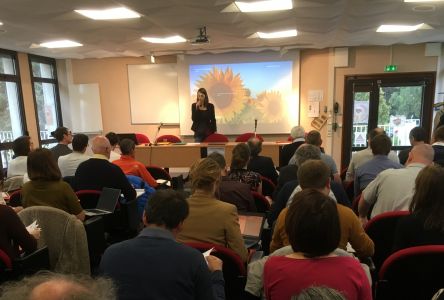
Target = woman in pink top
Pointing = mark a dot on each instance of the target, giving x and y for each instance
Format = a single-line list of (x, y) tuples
[(312, 225)]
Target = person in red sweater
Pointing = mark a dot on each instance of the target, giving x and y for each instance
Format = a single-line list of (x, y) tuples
[(130, 166), (312, 225)]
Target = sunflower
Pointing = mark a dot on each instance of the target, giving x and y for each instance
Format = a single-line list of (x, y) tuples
[(271, 106), (225, 90)]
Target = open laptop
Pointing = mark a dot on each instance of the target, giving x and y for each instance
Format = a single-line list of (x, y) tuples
[(106, 203), (251, 225)]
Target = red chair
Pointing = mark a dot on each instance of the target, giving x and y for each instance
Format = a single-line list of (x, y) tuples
[(142, 138), (233, 268), (381, 229), (169, 138), (262, 204), (268, 186), (88, 198), (412, 273), (246, 136), (216, 138), (5, 261)]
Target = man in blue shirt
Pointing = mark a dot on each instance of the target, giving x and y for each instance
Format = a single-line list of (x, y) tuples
[(155, 266), (381, 146)]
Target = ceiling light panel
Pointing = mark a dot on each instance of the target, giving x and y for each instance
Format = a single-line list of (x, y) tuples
[(166, 40), (116, 13), (262, 6), (277, 34), (60, 44), (398, 28)]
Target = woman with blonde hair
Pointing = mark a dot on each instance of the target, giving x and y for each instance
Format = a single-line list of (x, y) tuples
[(211, 220), (425, 224)]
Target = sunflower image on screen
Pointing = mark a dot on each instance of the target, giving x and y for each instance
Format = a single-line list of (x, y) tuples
[(245, 91)]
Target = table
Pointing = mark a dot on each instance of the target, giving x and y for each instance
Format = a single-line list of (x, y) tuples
[(184, 155)]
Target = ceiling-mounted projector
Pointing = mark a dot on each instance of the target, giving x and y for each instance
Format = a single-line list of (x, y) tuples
[(202, 38)]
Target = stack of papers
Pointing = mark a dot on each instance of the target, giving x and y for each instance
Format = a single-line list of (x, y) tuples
[(33, 227)]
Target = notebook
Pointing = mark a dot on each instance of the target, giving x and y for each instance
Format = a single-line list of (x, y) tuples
[(106, 203), (251, 225)]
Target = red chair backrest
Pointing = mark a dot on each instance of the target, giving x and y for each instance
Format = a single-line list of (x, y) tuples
[(381, 229), (246, 136), (412, 273), (216, 137), (168, 138), (262, 204), (142, 138), (88, 198), (268, 186), (6, 260)]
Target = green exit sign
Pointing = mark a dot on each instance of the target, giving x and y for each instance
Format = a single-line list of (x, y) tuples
[(391, 68)]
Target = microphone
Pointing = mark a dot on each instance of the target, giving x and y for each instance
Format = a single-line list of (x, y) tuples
[(255, 127), (157, 133)]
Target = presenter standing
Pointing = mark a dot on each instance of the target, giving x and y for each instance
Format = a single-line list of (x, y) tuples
[(202, 114)]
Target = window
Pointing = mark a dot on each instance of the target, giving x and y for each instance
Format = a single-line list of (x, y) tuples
[(394, 102), (46, 97), (12, 117)]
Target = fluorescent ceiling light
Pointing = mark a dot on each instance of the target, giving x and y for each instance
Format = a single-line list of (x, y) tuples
[(60, 44), (398, 28), (108, 14), (267, 5), (1, 23), (277, 34), (419, 1), (165, 40)]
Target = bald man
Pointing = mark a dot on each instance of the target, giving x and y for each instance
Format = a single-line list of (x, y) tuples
[(392, 189), (97, 172)]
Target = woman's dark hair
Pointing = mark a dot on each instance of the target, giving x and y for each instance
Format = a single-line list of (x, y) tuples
[(113, 138), (312, 223), (42, 166), (59, 133), (166, 207), (204, 91), (21, 146), (240, 156), (428, 201)]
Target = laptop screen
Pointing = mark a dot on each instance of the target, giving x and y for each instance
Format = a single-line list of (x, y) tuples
[(251, 224), (108, 199)]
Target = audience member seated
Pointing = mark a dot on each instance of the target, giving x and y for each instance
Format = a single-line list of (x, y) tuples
[(130, 166), (314, 231), (46, 187), (438, 144), (97, 172), (314, 138), (304, 153), (298, 138), (21, 147), (238, 168), (314, 174), (114, 140), (68, 163), (211, 220), (64, 138), (392, 189), (234, 192), (261, 164), (13, 234), (417, 136), (366, 173), (363, 156), (46, 285), (155, 266), (425, 224)]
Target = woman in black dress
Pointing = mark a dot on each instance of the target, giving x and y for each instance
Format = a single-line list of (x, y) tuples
[(202, 114)]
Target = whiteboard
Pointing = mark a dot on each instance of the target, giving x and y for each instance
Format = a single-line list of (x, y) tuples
[(85, 110), (153, 93)]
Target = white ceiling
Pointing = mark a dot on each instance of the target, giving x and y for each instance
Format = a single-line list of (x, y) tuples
[(320, 23)]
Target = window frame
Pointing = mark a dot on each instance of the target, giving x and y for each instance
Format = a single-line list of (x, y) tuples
[(17, 79), (58, 109)]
